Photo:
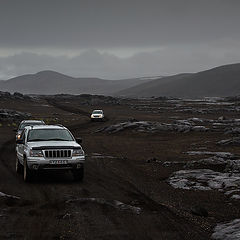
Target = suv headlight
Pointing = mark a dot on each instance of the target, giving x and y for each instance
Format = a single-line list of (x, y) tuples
[(36, 153), (77, 152)]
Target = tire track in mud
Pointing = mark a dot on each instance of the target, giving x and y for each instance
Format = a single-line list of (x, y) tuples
[(7, 161), (38, 207), (71, 109), (68, 108), (48, 202), (6, 155), (186, 228), (171, 215)]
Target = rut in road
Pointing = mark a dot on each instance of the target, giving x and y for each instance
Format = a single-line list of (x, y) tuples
[(47, 216), (48, 196)]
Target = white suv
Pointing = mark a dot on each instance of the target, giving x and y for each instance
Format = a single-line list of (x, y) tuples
[(97, 115), (49, 147)]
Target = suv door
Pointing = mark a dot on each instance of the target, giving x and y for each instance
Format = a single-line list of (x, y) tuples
[(20, 147)]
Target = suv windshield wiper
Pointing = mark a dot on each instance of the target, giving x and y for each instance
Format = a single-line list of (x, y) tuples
[(36, 140), (51, 139), (56, 139)]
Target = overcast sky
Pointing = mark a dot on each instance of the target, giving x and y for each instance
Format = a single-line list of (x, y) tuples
[(117, 39)]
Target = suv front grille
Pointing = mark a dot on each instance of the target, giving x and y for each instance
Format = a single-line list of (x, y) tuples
[(58, 153)]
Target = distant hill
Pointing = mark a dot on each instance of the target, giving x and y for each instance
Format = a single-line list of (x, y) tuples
[(50, 82), (219, 81)]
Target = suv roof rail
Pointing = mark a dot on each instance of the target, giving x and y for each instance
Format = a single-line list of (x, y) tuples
[(60, 125), (31, 126)]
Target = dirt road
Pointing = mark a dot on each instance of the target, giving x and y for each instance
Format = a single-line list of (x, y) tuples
[(116, 200)]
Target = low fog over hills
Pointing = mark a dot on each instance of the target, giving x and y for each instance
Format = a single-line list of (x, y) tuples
[(219, 81), (50, 82)]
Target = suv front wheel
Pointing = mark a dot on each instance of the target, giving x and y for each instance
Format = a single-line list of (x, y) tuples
[(27, 173), (19, 167)]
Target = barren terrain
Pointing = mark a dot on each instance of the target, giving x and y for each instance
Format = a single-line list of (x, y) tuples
[(155, 169)]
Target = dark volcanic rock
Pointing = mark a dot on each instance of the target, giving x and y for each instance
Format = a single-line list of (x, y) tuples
[(88, 99), (227, 231), (149, 160), (235, 141), (12, 114), (5, 94), (234, 130), (146, 126), (18, 95), (199, 211)]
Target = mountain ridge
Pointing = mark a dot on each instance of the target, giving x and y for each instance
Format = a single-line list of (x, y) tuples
[(219, 81), (51, 82)]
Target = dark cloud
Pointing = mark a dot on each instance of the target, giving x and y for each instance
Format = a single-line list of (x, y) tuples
[(92, 63), (114, 23), (182, 35)]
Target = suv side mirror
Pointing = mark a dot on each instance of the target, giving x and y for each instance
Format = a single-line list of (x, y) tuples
[(79, 140), (19, 141)]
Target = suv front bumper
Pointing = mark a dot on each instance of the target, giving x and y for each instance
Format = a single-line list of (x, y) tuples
[(41, 163)]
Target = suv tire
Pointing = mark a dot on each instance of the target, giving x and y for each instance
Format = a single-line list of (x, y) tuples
[(27, 173), (19, 167)]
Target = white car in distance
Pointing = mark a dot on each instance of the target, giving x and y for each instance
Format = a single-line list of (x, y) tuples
[(97, 115)]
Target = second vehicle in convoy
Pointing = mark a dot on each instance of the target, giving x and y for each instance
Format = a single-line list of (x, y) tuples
[(26, 123), (49, 147)]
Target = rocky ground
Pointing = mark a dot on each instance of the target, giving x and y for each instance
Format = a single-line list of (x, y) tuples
[(157, 168)]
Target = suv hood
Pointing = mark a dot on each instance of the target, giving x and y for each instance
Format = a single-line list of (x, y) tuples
[(54, 144)]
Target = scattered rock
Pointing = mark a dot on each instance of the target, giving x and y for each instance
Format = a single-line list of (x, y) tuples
[(151, 160), (205, 179), (113, 203), (88, 99), (99, 155), (222, 118), (146, 126), (12, 114), (18, 95), (5, 94), (234, 130), (227, 155), (227, 231), (199, 211), (235, 141), (233, 166), (212, 161), (168, 163), (4, 195), (66, 216), (199, 129), (196, 120)]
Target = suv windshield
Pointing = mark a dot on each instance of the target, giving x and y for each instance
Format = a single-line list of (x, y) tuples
[(49, 135), (23, 125), (97, 112)]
